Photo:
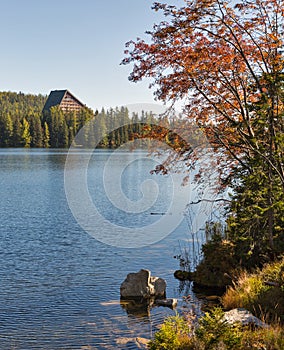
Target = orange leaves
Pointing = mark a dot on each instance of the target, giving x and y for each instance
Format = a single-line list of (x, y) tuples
[(207, 43), (254, 98), (220, 58), (273, 37)]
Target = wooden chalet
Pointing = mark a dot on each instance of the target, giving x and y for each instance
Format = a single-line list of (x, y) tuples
[(64, 99)]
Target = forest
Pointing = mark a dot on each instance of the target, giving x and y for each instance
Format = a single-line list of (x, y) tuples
[(23, 124)]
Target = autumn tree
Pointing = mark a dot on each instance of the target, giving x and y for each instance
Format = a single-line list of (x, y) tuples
[(225, 61)]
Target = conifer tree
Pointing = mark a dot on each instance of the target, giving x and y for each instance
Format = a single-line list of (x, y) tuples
[(26, 135), (46, 136), (6, 130)]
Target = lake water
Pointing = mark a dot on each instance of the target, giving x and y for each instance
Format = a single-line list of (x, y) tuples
[(59, 284)]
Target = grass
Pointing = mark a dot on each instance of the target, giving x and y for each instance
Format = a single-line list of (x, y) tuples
[(252, 292), (271, 338)]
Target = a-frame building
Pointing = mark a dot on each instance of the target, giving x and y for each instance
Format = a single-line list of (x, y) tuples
[(64, 99)]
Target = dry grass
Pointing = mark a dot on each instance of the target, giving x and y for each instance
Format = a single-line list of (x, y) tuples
[(252, 292), (271, 338), (244, 292)]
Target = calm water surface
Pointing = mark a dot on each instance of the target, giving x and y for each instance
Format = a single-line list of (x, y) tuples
[(59, 285)]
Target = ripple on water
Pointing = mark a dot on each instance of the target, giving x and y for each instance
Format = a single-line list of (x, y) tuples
[(60, 287)]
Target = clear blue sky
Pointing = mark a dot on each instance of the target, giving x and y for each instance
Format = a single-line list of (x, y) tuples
[(73, 44)]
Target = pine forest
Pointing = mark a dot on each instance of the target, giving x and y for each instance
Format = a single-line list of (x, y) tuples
[(24, 124)]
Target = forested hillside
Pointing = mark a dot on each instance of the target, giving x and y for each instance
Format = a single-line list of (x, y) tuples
[(22, 124), (20, 119)]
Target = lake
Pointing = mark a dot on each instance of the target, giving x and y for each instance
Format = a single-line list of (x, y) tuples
[(60, 281)]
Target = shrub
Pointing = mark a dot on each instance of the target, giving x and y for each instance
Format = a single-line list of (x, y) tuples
[(218, 262), (174, 334), (213, 331)]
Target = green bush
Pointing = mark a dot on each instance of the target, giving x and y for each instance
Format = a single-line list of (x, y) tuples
[(213, 330), (174, 334), (218, 262)]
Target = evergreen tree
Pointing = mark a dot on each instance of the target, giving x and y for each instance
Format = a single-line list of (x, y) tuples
[(46, 135), (63, 137), (17, 133), (6, 130), (26, 135), (36, 131), (101, 136)]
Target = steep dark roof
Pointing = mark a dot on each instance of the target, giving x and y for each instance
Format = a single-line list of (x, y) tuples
[(55, 98)]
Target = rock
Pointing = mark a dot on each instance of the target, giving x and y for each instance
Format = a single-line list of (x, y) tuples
[(142, 285), (143, 342), (244, 317), (159, 286), (137, 285), (183, 275), (172, 303)]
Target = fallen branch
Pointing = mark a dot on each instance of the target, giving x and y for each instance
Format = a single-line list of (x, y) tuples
[(211, 200)]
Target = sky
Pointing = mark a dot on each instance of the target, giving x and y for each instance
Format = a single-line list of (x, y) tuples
[(76, 45)]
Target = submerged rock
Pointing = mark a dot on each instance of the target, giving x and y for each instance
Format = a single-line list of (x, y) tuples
[(142, 285), (138, 342)]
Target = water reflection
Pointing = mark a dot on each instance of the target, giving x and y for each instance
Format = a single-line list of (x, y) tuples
[(140, 309)]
